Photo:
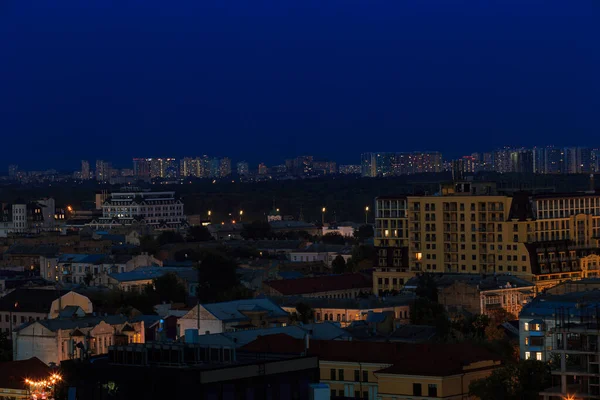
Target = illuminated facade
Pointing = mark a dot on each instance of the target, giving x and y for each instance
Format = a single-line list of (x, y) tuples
[(389, 163), (543, 238)]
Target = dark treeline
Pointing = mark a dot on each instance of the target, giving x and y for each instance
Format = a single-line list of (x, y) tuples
[(344, 197)]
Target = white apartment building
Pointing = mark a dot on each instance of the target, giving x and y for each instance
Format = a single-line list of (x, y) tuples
[(159, 209)]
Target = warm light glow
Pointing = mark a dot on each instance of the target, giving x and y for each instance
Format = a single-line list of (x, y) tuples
[(367, 208), (209, 213), (233, 222), (323, 210), (419, 256), (386, 233), (241, 212), (69, 208), (278, 210), (569, 397)]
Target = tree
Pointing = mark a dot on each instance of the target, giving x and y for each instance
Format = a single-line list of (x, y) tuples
[(305, 313), (426, 287), (521, 381), (199, 234), (5, 347), (217, 275), (257, 230), (169, 288), (364, 232), (333, 238), (338, 265), (149, 245), (423, 311), (168, 237)]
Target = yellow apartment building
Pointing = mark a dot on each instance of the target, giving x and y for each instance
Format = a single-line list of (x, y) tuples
[(389, 371), (546, 238)]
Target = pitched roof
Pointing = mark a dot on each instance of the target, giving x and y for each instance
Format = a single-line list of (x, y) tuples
[(79, 323), (15, 372), (30, 300), (432, 359), (328, 283)]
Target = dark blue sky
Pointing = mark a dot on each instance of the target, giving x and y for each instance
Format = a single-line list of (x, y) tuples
[(265, 80)]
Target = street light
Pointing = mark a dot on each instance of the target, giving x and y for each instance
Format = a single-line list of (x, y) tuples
[(209, 214), (323, 216), (241, 213), (366, 215)]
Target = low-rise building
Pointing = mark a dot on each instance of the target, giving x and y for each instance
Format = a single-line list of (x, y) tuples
[(386, 371), (27, 256), (542, 315), (477, 294), (26, 305), (74, 337), (325, 253), (345, 286), (346, 311), (182, 370), (136, 280), (233, 316)]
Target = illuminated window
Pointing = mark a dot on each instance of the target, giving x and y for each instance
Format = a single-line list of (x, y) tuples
[(538, 356), (527, 355), (526, 326), (526, 340)]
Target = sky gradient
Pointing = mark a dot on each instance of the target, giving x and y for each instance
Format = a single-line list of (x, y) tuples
[(265, 80)]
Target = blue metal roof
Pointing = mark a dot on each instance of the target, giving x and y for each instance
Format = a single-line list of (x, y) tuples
[(82, 258), (577, 304)]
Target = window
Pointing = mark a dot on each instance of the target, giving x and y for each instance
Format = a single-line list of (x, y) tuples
[(356, 375), (416, 389), (366, 375), (7, 318), (22, 319), (332, 374), (528, 355), (432, 390), (526, 340), (526, 326), (538, 356), (341, 374)]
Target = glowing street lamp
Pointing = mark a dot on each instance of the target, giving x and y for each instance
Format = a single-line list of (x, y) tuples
[(323, 216), (366, 215), (241, 213)]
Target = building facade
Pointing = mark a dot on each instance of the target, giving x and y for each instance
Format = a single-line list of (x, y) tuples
[(468, 229), (141, 207)]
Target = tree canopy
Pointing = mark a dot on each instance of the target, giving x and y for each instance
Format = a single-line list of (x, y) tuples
[(216, 276), (338, 265), (520, 381), (364, 232), (333, 238), (257, 230), (198, 234)]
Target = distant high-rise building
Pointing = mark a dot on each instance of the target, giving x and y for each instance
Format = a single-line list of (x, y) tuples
[(487, 162), (300, 166), (577, 160), (464, 166), (13, 170), (85, 169), (141, 167), (595, 160), (224, 167), (349, 169), (387, 163), (262, 169), (103, 170), (521, 161), (242, 168), (547, 160), (502, 160), (324, 167)]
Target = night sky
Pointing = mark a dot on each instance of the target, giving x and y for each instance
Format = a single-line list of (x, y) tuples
[(266, 80)]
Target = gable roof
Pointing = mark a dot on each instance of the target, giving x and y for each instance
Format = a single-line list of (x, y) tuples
[(30, 300), (317, 284), (234, 310)]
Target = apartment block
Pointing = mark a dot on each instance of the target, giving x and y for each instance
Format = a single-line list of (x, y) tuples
[(469, 228)]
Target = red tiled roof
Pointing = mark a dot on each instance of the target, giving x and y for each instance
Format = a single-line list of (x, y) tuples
[(328, 283), (431, 359), (14, 373)]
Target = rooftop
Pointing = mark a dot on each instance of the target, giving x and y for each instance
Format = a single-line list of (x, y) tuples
[(318, 284), (47, 250), (484, 282), (235, 310), (431, 359), (575, 304)]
